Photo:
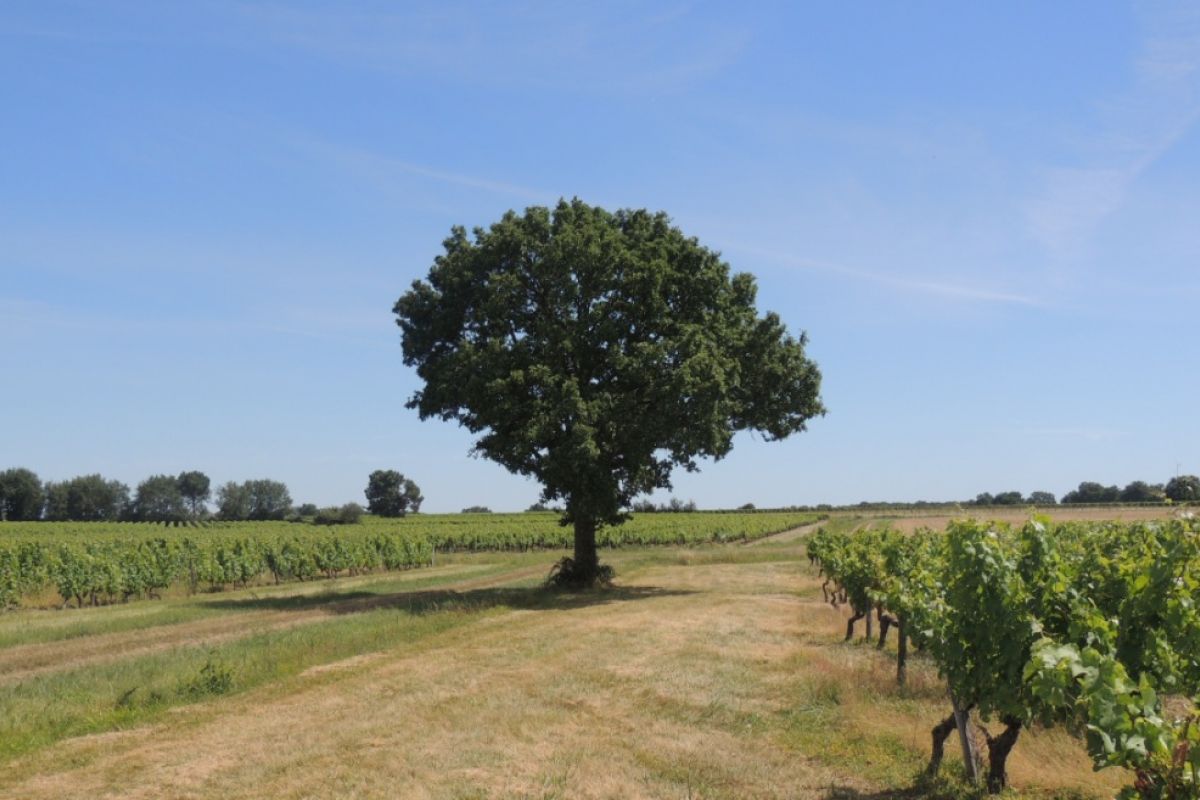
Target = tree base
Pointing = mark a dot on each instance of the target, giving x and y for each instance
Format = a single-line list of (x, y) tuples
[(568, 574)]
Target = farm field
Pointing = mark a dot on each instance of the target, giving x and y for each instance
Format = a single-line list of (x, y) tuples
[(914, 520), (51, 563), (712, 671)]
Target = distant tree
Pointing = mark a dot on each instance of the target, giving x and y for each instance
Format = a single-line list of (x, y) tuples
[(21, 495), (349, 514), (1008, 499), (746, 507), (1142, 492), (596, 352), (678, 505), (86, 498), (195, 488), (233, 501), (477, 510), (307, 510), (158, 499), (984, 499), (390, 494), (643, 507), (538, 506), (413, 494), (1092, 492), (1183, 488), (1042, 498), (256, 499), (268, 499)]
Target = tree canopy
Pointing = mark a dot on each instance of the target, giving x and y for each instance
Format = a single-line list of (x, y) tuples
[(596, 351), (1092, 492), (1183, 488), (390, 494), (158, 499), (21, 495), (195, 487), (86, 498), (255, 499)]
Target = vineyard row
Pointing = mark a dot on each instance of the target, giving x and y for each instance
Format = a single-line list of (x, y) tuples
[(1091, 626)]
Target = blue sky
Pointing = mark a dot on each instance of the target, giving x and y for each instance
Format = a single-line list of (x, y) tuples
[(984, 215)]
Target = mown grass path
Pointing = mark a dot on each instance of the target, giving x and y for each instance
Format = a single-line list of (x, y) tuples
[(713, 673)]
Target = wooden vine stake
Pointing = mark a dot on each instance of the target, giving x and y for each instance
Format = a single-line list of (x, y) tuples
[(971, 762)]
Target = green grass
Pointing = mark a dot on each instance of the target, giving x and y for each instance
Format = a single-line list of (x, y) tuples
[(91, 699), (94, 698), (33, 626), (823, 701)]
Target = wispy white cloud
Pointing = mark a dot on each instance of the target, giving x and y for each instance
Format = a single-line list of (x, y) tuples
[(593, 48), (1135, 131), (950, 291), (386, 171)]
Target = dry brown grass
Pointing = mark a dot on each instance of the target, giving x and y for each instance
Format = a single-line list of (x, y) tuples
[(707, 680), (1021, 514)]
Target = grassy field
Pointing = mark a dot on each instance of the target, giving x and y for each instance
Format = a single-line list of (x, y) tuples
[(712, 672)]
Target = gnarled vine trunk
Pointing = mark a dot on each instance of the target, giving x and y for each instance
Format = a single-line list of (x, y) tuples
[(958, 720), (886, 621), (850, 624), (998, 749), (941, 732)]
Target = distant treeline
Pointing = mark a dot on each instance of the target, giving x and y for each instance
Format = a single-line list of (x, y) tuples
[(185, 497), (159, 498), (1180, 489)]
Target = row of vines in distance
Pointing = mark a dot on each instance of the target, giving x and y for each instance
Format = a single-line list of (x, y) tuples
[(107, 570), (1093, 626)]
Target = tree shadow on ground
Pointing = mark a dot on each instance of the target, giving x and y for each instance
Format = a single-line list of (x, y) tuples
[(848, 793), (922, 788), (429, 600)]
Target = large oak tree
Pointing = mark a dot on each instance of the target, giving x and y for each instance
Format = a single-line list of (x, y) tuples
[(597, 351)]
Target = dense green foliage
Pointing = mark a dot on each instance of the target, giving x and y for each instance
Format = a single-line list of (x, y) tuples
[(1183, 489), (597, 351), (99, 569), (21, 495), (196, 488), (87, 497), (158, 499), (253, 500), (348, 514), (1086, 625), (390, 494)]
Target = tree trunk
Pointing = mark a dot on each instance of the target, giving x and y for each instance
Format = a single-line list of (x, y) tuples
[(998, 749), (941, 732), (901, 652), (587, 563), (870, 633)]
